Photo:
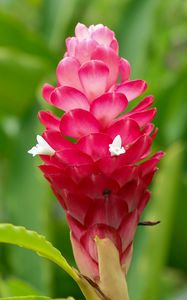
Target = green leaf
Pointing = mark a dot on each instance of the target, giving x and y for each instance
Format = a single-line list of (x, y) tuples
[(59, 227), (15, 35), (57, 17), (33, 241), (19, 77), (138, 24), (97, 11), (19, 193), (12, 287)]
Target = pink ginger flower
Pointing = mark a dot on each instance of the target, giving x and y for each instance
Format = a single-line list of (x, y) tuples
[(97, 159)]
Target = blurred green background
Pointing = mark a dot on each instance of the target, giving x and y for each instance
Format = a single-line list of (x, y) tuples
[(153, 37)]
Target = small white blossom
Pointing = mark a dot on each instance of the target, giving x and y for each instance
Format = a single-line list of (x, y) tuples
[(42, 148), (116, 147)]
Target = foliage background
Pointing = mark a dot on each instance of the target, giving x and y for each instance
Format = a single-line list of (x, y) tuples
[(153, 37)]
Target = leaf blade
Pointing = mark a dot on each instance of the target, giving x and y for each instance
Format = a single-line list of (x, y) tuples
[(18, 235), (31, 240)]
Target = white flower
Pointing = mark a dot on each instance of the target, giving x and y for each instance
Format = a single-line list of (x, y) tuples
[(116, 147), (42, 148)]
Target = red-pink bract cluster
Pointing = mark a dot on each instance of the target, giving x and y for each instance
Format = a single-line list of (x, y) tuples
[(102, 194)]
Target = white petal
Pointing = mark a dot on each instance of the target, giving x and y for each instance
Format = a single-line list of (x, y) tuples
[(117, 141), (116, 147), (33, 151), (42, 148)]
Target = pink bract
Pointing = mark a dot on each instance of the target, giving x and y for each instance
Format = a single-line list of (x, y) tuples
[(102, 194)]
